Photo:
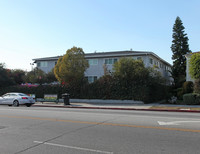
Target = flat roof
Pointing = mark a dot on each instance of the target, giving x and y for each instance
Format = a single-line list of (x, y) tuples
[(109, 54)]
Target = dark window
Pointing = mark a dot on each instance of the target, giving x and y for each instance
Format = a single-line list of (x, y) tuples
[(38, 64)]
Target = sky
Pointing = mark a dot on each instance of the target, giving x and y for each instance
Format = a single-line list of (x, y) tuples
[(44, 28)]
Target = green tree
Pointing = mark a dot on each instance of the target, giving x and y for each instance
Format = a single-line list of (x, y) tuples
[(130, 69), (130, 75), (194, 66), (71, 67), (50, 77), (57, 70), (179, 48), (35, 76), (5, 79), (18, 76), (132, 80)]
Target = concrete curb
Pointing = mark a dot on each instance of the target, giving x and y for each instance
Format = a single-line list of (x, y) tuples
[(106, 101), (114, 108)]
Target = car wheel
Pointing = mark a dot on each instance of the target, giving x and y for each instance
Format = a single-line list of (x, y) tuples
[(15, 103), (28, 105)]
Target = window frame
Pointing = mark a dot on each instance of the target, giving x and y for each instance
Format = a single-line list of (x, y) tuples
[(139, 58), (91, 78), (110, 61), (151, 61), (43, 64), (93, 61)]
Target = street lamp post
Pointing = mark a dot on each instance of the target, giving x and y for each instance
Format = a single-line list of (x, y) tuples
[(31, 66)]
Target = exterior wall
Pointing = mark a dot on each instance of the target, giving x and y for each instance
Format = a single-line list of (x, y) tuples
[(162, 67), (48, 68), (188, 77), (146, 61), (96, 70)]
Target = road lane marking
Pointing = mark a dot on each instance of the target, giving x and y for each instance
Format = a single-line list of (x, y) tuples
[(153, 127), (100, 123), (175, 122), (97, 114), (73, 147)]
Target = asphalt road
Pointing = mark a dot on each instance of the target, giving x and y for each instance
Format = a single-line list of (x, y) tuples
[(38, 130)]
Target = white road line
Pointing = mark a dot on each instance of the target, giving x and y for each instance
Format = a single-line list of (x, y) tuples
[(72, 147), (175, 122)]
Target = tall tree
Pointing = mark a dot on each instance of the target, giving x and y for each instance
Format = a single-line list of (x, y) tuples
[(179, 48), (71, 67)]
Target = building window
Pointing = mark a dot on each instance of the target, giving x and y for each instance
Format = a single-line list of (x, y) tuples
[(110, 61), (106, 61), (93, 61), (91, 78), (156, 63), (166, 68), (151, 61), (161, 65), (38, 64), (43, 64)]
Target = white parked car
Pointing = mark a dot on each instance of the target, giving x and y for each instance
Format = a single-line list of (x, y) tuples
[(17, 99)]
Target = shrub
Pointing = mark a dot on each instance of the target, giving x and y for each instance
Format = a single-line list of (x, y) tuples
[(187, 87), (197, 86), (147, 89), (191, 99), (180, 93), (194, 66)]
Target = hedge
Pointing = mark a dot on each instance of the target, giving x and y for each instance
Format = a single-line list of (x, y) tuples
[(107, 87), (191, 99), (38, 91)]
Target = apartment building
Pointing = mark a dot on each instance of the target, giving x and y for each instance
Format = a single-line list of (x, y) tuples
[(99, 60)]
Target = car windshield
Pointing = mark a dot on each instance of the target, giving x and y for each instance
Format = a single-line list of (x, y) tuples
[(21, 94), (5, 95)]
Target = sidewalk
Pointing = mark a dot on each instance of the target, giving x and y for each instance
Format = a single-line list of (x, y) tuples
[(144, 107)]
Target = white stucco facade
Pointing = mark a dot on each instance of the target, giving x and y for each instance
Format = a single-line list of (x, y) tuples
[(97, 62)]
